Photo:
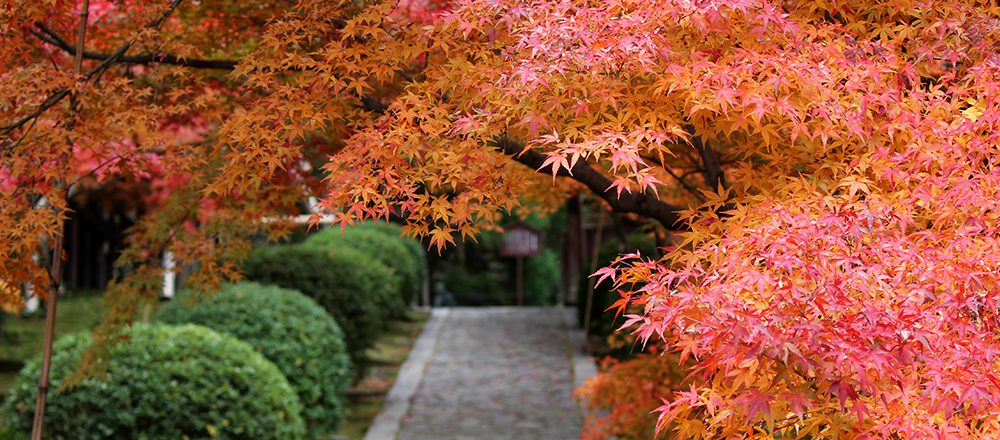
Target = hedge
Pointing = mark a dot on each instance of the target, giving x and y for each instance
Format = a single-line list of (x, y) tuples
[(290, 330), (476, 288), (386, 249), (542, 274), (165, 382), (416, 249), (351, 286)]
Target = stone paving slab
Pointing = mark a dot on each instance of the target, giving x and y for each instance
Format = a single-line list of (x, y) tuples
[(493, 373)]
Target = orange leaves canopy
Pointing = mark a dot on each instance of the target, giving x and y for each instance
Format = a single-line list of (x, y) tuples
[(832, 163)]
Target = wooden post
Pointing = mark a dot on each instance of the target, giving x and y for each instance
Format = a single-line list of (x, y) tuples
[(591, 283), (425, 290), (519, 241), (74, 253), (571, 276), (31, 304), (520, 280), (169, 275)]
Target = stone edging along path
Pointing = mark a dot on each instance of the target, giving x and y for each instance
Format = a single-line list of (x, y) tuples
[(489, 373), (397, 402)]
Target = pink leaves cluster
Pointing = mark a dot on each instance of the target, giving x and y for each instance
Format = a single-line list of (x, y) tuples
[(896, 323)]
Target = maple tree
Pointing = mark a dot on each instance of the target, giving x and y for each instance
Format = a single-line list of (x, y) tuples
[(136, 115), (122, 112), (829, 166)]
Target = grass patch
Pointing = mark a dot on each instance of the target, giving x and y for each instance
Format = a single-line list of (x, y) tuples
[(390, 351)]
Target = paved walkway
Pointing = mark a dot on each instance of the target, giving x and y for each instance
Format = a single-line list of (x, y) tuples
[(488, 373)]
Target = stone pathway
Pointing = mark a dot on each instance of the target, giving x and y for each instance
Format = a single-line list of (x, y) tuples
[(488, 373)]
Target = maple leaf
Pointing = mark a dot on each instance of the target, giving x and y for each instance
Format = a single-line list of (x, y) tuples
[(440, 238), (556, 161), (603, 274), (621, 304)]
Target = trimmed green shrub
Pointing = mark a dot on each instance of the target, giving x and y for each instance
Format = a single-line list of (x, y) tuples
[(6, 434), (388, 250), (290, 330), (541, 278), (164, 382), (484, 288), (351, 286), (476, 289), (417, 249)]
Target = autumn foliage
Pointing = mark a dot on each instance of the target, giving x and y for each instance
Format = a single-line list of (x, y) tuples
[(621, 399), (144, 111), (829, 166)]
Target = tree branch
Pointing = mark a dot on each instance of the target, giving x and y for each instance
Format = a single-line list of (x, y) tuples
[(644, 204), (687, 186), (52, 100), (47, 35), (61, 93), (680, 179), (714, 175)]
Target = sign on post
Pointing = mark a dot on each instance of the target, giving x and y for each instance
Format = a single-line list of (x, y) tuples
[(519, 241)]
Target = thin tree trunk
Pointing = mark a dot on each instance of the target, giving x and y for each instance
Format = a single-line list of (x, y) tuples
[(51, 301), (55, 272)]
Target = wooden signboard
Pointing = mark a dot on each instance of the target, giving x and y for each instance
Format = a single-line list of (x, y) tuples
[(519, 241)]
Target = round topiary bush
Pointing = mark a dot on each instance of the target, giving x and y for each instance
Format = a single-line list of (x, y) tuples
[(164, 382), (351, 286), (290, 330), (417, 250), (387, 249)]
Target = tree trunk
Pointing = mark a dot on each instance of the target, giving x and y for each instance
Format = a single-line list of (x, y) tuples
[(55, 271)]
